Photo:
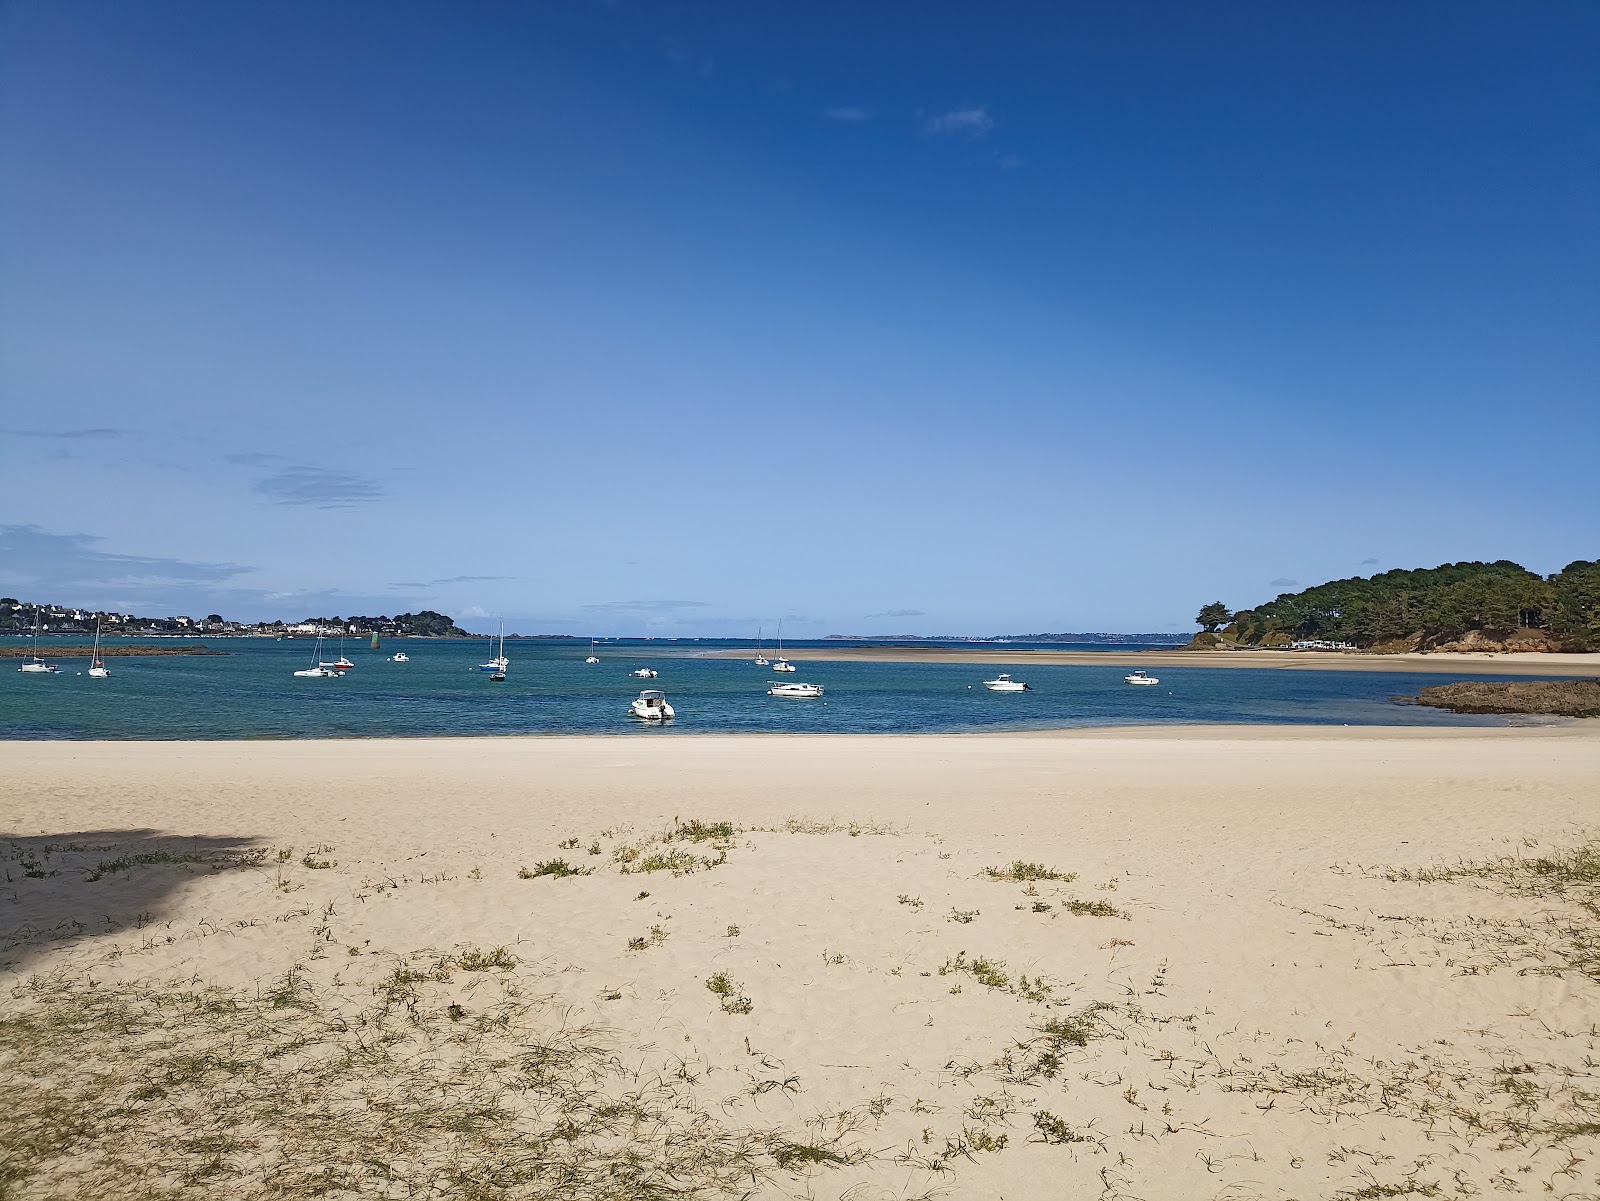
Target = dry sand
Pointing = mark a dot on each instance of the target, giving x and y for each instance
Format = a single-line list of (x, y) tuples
[(1463, 663), (1264, 1014)]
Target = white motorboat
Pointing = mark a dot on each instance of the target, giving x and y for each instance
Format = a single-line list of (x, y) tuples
[(645, 673), (37, 666), (399, 657), (1139, 677), (651, 706), (1004, 683), (796, 690), (593, 658), (97, 669)]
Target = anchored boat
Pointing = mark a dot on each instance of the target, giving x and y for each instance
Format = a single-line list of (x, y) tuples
[(796, 690), (1004, 683), (651, 706)]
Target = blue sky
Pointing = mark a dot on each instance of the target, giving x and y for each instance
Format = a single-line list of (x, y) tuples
[(676, 318)]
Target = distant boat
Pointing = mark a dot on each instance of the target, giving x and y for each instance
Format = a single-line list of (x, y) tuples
[(399, 657), (795, 690), (97, 669), (593, 658), (37, 666), (1004, 683), (651, 706), (500, 674), (1139, 677), (645, 673), (318, 670), (341, 663), (761, 660), (499, 663), (780, 663)]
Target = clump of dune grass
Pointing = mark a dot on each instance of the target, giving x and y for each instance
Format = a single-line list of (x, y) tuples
[(656, 937), (727, 990), (559, 868), (1027, 873), (475, 960), (1090, 908)]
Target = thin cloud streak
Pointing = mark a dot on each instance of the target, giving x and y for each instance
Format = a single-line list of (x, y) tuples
[(319, 487), (971, 123)]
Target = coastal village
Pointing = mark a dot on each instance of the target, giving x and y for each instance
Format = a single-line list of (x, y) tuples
[(20, 617)]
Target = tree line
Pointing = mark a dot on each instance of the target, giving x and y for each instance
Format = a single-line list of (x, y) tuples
[(1429, 605)]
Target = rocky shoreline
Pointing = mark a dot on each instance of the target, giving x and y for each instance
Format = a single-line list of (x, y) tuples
[(1555, 698), (106, 651)]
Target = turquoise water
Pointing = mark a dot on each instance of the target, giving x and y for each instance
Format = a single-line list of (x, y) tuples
[(251, 692)]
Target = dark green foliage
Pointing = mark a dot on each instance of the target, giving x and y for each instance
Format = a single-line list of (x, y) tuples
[(1439, 603), (1213, 615)]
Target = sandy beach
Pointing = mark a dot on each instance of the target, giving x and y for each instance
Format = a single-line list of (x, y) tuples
[(1464, 663), (1196, 963)]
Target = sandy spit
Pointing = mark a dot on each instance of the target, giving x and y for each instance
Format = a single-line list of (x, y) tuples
[(1247, 1002), (1465, 663)]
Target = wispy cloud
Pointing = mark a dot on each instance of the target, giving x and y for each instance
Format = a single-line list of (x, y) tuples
[(72, 435), (1369, 562), (846, 112), (45, 564), (897, 613), (253, 458), (450, 579), (636, 607), (1282, 582), (971, 123), (319, 487)]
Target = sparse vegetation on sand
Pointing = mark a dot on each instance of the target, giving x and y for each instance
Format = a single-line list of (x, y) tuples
[(294, 1094), (1027, 873), (559, 868)]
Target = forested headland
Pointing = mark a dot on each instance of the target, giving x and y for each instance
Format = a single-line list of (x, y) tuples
[(1456, 606)]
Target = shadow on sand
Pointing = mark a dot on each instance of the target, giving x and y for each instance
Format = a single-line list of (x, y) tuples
[(59, 890)]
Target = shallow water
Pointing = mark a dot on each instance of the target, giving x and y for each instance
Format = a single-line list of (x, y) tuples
[(251, 692)]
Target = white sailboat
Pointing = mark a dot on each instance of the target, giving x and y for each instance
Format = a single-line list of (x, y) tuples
[(593, 658), (341, 663), (37, 666), (761, 660), (97, 669), (780, 663), (500, 657), (317, 671), (499, 662)]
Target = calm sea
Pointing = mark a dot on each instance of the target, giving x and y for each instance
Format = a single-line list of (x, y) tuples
[(250, 692)]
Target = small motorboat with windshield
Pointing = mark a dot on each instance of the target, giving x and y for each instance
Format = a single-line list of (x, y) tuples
[(651, 705), (796, 690), (1004, 683), (399, 657), (645, 673), (1140, 677)]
